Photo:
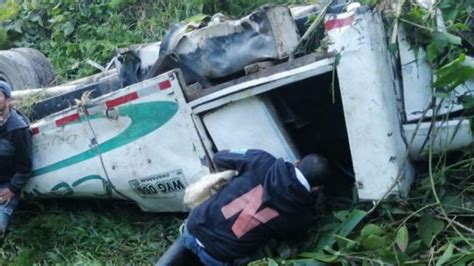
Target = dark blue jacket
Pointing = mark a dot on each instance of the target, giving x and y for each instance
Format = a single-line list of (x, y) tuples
[(265, 201), (15, 151)]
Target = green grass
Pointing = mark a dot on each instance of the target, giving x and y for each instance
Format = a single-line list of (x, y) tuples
[(433, 226), (411, 232), (69, 32), (87, 232)]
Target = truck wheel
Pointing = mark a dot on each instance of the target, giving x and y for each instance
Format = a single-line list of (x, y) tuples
[(17, 71), (43, 68)]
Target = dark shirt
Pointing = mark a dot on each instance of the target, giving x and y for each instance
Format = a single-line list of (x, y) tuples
[(264, 202), (15, 151)]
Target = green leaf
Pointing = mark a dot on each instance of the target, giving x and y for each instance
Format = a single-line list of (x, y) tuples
[(428, 228), (466, 259), (370, 229), (341, 215), (450, 13), (15, 26), (393, 47), (345, 243), (448, 253), (320, 256), (402, 238), (3, 38), (271, 262), (302, 262), (452, 39), (436, 47), (264, 262), (9, 9), (445, 4), (374, 242), (368, 2), (68, 28), (453, 74), (467, 102), (431, 52), (349, 222)]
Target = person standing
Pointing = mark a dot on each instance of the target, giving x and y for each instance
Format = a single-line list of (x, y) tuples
[(15, 156)]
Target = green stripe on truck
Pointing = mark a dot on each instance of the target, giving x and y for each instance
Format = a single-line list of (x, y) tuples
[(146, 118)]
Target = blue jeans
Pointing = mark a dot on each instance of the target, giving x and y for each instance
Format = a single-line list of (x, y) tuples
[(6, 211), (191, 244)]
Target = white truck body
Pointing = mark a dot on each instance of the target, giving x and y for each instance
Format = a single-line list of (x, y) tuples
[(137, 143), (147, 142)]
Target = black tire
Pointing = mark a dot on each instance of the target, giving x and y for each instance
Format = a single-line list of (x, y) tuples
[(43, 68), (17, 71)]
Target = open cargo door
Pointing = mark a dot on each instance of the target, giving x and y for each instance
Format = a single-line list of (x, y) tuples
[(370, 99)]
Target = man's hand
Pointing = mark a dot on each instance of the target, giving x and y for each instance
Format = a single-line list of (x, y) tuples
[(6, 195)]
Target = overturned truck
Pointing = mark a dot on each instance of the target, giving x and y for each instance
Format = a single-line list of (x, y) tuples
[(150, 128)]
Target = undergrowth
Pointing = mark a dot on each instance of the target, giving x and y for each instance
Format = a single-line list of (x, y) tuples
[(86, 232), (418, 231), (434, 226), (70, 32)]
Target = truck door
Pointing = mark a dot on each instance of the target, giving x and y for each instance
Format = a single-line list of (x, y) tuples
[(137, 143), (65, 160), (147, 143)]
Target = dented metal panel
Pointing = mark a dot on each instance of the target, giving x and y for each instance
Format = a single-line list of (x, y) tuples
[(378, 150), (138, 144), (261, 85), (221, 49), (146, 143)]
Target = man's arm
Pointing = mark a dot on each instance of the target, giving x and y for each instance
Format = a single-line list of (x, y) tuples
[(22, 140), (231, 160), (237, 159)]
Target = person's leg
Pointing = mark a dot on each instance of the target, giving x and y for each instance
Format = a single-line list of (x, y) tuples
[(191, 243), (6, 213), (177, 254)]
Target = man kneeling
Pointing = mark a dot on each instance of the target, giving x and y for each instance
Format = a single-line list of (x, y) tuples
[(268, 199)]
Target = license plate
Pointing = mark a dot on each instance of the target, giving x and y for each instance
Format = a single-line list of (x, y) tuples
[(163, 185)]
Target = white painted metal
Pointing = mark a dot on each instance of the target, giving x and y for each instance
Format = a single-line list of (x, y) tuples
[(426, 4), (284, 30), (135, 157), (148, 54), (447, 136), (248, 124), (67, 87), (417, 76), (260, 89), (264, 84), (378, 150), (55, 145), (279, 20), (303, 10), (101, 156), (21, 94)]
